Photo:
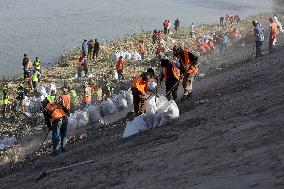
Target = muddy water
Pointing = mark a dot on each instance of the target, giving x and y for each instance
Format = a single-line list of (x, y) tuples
[(48, 28)]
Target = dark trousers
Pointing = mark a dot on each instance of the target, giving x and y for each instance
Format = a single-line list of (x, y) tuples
[(4, 109), (120, 74), (258, 45), (139, 101), (171, 85), (34, 84), (95, 54), (59, 133)]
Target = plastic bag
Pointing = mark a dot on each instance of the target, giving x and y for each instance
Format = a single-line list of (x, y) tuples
[(82, 118), (159, 112), (115, 56), (94, 115), (115, 75), (52, 87), (127, 55), (78, 119), (107, 107), (120, 101), (137, 125), (128, 97)]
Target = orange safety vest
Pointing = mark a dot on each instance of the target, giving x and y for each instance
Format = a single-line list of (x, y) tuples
[(187, 64), (139, 84), (55, 112), (274, 30), (120, 64), (88, 94), (193, 70), (66, 101), (175, 71)]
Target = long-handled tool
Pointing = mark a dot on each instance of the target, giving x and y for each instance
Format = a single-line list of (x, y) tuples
[(177, 83), (45, 173), (44, 140)]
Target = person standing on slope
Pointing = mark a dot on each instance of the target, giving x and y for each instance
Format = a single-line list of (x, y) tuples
[(57, 121), (139, 88), (177, 23), (188, 70), (170, 73), (259, 38), (274, 32)]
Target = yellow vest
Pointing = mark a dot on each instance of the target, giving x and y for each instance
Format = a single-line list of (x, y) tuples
[(5, 101), (34, 77), (37, 65), (50, 98)]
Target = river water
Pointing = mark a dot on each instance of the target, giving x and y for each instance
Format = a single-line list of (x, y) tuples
[(47, 28)]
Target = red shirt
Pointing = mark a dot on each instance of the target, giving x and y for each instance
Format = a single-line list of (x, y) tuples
[(120, 64)]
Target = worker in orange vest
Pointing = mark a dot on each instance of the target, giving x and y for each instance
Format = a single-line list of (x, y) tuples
[(87, 97), (119, 67), (65, 100), (170, 73), (139, 88), (57, 121), (188, 69), (274, 32)]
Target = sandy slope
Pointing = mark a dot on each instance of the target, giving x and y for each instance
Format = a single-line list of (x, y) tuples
[(229, 135)]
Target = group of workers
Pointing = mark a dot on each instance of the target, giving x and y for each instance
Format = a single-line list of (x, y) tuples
[(179, 66), (275, 27)]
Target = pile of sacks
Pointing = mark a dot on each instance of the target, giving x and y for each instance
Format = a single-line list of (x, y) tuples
[(33, 105), (94, 114), (126, 55), (7, 142), (159, 112)]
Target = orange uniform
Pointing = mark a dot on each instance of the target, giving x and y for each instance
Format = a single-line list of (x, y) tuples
[(120, 64), (55, 112), (139, 84), (274, 30), (66, 101)]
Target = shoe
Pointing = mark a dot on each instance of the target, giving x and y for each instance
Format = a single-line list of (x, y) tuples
[(54, 153), (64, 149)]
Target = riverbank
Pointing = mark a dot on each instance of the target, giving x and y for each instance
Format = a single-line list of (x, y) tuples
[(102, 70)]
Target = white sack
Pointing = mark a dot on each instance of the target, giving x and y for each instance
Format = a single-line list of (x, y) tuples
[(137, 125), (94, 115)]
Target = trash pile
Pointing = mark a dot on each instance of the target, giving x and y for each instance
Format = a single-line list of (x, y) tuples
[(159, 112)]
